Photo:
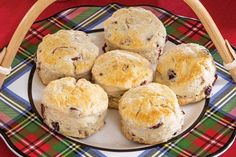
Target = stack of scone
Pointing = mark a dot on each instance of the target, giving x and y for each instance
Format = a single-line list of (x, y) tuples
[(73, 108), (135, 38)]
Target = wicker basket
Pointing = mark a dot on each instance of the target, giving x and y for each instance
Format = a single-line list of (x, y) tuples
[(8, 54)]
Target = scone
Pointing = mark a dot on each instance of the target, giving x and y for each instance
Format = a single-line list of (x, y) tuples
[(137, 30), (75, 109), (189, 70), (65, 53), (119, 70), (150, 114)]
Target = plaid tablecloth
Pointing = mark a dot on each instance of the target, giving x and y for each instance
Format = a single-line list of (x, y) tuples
[(25, 133)]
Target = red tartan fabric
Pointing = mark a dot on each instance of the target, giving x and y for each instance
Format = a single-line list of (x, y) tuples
[(10, 16)]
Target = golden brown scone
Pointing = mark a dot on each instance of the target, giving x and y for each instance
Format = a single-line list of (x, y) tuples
[(65, 53), (73, 108), (137, 30), (189, 70), (117, 71), (150, 114)]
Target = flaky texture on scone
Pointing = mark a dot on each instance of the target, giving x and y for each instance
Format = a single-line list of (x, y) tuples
[(75, 109), (65, 53), (150, 114), (189, 70), (136, 29), (119, 70)]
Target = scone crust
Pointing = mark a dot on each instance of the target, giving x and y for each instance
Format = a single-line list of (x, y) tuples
[(66, 93), (142, 23), (150, 114), (146, 105), (135, 29), (188, 69), (75, 109), (120, 70), (65, 53)]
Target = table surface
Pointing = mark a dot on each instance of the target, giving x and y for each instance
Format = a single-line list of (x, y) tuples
[(223, 13)]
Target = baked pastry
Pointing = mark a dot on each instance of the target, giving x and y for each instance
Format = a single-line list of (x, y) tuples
[(65, 53), (119, 70), (150, 114), (137, 30), (75, 109), (189, 70)]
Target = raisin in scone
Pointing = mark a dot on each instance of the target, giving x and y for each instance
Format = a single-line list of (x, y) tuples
[(137, 30), (150, 114), (119, 70), (65, 53), (75, 109), (189, 70)]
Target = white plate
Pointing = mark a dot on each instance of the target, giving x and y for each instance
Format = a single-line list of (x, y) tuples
[(110, 137)]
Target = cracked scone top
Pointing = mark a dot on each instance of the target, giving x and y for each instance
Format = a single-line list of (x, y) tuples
[(150, 114), (119, 70), (189, 70), (76, 109), (65, 93), (65, 53), (135, 29)]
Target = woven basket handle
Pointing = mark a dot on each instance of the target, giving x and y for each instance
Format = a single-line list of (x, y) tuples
[(224, 49), (8, 54)]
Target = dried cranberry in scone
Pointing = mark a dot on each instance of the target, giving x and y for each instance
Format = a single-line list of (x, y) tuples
[(117, 71), (150, 114), (65, 53), (137, 30), (74, 108), (189, 70)]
